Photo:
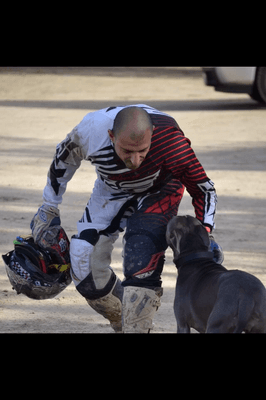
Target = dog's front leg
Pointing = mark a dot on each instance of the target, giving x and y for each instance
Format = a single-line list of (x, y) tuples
[(183, 329)]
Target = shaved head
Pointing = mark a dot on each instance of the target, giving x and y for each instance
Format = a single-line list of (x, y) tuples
[(133, 120), (131, 135)]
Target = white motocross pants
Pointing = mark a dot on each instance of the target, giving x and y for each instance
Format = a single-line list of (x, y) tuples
[(98, 229)]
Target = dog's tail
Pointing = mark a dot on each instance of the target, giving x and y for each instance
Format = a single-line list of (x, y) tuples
[(245, 308)]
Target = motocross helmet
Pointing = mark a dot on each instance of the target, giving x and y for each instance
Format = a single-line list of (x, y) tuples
[(40, 271)]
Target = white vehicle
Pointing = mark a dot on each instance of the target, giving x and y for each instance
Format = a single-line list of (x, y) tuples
[(250, 80)]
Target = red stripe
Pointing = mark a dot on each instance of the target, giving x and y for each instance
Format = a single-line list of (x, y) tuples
[(171, 151), (173, 140), (199, 173), (152, 264), (158, 133), (179, 160), (175, 133), (161, 136), (192, 173)]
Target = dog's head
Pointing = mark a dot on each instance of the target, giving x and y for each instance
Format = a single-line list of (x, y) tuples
[(186, 234)]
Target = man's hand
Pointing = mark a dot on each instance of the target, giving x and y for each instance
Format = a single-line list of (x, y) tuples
[(46, 216), (218, 255)]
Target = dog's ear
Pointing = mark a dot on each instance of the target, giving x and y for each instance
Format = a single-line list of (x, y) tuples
[(203, 234), (173, 241)]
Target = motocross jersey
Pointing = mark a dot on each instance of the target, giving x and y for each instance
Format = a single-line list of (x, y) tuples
[(170, 158)]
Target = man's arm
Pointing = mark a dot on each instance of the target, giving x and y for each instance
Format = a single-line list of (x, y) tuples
[(183, 163), (204, 200), (203, 194), (66, 161)]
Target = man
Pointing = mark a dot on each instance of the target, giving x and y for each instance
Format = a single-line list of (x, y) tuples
[(143, 161)]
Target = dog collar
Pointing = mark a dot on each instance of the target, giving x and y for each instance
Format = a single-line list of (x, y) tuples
[(193, 256)]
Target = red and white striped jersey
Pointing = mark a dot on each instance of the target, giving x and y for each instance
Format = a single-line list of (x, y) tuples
[(170, 158)]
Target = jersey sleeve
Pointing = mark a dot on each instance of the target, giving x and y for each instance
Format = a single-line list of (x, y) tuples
[(67, 159), (79, 144), (185, 166)]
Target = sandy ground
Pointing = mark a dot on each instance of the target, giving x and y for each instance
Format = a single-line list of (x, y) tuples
[(39, 106)]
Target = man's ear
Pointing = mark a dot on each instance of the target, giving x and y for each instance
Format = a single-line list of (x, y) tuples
[(111, 135)]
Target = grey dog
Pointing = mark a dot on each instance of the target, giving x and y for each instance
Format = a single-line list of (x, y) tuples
[(210, 298)]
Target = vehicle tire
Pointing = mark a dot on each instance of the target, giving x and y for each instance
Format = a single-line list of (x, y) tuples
[(259, 88)]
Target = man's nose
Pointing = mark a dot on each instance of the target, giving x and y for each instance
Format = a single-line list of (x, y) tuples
[(135, 159)]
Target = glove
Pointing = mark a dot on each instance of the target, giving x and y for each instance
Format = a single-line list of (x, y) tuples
[(45, 217), (218, 255)]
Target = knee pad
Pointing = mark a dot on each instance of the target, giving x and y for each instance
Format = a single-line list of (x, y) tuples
[(88, 289), (92, 258), (80, 251), (143, 259)]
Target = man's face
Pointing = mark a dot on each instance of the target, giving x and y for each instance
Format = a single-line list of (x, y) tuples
[(132, 152)]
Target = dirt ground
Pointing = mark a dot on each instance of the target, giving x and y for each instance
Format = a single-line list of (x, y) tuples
[(39, 106)]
